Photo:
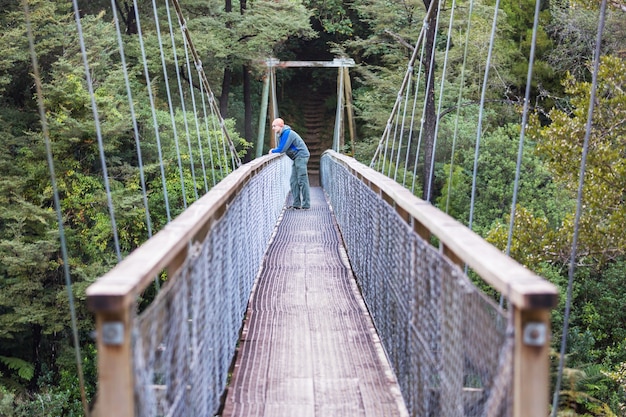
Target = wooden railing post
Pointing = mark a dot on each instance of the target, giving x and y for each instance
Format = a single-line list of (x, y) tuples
[(115, 369), (531, 362)]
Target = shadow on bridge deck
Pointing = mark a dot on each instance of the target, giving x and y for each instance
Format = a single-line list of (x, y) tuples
[(309, 347)]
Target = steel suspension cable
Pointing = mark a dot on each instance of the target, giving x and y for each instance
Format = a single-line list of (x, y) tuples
[(404, 108), (155, 122), (481, 109), (195, 110), (404, 84), (409, 74), (94, 109), (170, 103), (429, 80), (443, 80), (208, 135), (182, 98), (579, 206), (421, 128), (212, 102), (520, 150), (431, 74), (411, 124), (57, 206), (458, 102), (133, 117)]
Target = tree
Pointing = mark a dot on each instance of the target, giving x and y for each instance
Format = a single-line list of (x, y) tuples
[(560, 145)]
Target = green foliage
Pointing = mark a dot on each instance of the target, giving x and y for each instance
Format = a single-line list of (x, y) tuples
[(560, 145), (34, 321), (574, 30), (587, 391), (22, 368), (494, 183)]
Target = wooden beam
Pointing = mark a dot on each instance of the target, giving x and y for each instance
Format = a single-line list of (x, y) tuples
[(349, 109), (531, 374), (115, 370), (337, 62)]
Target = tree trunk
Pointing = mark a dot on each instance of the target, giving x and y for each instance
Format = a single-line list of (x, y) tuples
[(127, 16), (430, 117), (247, 103), (247, 109), (37, 335), (228, 74)]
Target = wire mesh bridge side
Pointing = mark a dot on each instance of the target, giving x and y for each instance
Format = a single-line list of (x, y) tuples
[(186, 338), (454, 351)]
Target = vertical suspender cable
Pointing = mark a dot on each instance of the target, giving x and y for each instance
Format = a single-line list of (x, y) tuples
[(429, 80), (208, 135), (131, 106), (421, 127), (404, 83), (431, 71), (94, 109), (182, 98), (520, 150), (482, 107), (192, 93), (195, 112), (170, 104), (443, 80), (133, 117), (57, 206), (215, 108), (458, 102), (406, 105), (392, 151), (411, 124), (581, 182), (153, 109)]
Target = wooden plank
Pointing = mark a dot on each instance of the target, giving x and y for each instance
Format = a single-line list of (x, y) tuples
[(349, 110), (308, 345), (337, 62)]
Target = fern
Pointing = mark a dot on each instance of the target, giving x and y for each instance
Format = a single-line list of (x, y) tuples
[(25, 370)]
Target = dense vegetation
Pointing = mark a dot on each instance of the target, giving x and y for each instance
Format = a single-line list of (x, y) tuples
[(37, 367)]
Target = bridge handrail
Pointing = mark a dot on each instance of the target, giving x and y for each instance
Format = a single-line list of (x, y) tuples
[(167, 249), (523, 288), (254, 193), (524, 358)]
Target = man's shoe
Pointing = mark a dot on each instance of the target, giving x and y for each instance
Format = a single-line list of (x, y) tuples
[(293, 208)]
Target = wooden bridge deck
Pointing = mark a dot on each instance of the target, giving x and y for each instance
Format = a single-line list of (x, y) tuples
[(309, 347)]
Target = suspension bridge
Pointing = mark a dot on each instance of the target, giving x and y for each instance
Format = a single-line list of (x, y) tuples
[(361, 306)]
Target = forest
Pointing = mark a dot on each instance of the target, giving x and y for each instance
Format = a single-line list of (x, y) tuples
[(38, 369)]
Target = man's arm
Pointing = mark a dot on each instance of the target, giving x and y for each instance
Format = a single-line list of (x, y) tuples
[(284, 142)]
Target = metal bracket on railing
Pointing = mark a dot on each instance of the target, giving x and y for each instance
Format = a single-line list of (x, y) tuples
[(535, 334), (113, 333)]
